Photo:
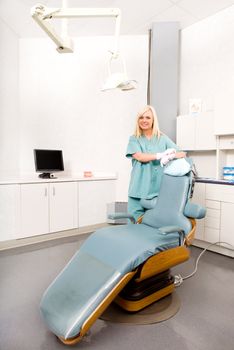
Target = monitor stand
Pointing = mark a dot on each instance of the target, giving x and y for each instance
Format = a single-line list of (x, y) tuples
[(46, 176)]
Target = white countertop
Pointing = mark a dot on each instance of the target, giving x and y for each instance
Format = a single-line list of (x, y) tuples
[(57, 178)]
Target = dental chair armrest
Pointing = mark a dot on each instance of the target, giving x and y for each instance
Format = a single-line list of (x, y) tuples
[(194, 211), (164, 230), (116, 216)]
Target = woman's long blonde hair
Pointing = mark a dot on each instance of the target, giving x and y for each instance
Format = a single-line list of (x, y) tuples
[(155, 128)]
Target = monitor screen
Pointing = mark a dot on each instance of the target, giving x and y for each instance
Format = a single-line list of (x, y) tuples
[(48, 160)]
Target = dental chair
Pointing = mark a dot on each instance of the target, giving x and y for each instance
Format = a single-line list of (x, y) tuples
[(128, 264)]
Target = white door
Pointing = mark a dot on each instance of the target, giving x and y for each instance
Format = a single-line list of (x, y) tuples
[(93, 199), (34, 209), (63, 206), (9, 212), (227, 223)]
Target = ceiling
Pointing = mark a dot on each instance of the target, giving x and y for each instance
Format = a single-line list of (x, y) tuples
[(137, 15)]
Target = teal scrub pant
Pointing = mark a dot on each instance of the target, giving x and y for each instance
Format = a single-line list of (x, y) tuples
[(135, 208)]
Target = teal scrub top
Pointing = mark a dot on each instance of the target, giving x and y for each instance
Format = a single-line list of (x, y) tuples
[(146, 177)]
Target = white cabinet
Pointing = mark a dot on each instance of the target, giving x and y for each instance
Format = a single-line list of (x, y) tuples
[(48, 208), (226, 142), (9, 212), (219, 220), (199, 198), (93, 199), (34, 209), (227, 223), (212, 221), (63, 206), (196, 132)]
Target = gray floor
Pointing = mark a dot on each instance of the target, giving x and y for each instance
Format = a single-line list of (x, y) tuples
[(205, 320)]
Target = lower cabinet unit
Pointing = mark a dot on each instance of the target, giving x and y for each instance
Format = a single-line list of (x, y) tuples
[(227, 223), (48, 208), (63, 206), (34, 209), (38, 207), (9, 211), (218, 224)]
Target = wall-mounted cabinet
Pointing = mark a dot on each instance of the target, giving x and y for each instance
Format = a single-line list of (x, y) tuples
[(196, 132), (210, 152)]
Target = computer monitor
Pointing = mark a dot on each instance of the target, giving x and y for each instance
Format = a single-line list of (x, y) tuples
[(48, 162)]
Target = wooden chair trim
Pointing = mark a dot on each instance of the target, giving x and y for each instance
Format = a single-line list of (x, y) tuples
[(139, 220), (163, 261), (138, 305), (191, 235)]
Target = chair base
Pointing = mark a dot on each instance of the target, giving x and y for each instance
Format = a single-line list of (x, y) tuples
[(138, 295)]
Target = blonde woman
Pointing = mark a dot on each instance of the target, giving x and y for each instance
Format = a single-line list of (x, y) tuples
[(149, 149)]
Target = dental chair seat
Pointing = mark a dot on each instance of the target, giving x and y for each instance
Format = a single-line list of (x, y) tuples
[(111, 257)]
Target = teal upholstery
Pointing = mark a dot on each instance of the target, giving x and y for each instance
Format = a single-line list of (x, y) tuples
[(195, 211), (148, 203), (111, 252), (101, 262), (169, 208)]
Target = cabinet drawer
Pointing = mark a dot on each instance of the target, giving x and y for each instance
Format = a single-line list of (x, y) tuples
[(226, 142), (212, 213), (223, 193), (211, 235), (212, 222), (212, 204)]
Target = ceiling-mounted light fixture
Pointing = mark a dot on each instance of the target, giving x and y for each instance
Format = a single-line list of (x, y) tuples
[(118, 80), (41, 14)]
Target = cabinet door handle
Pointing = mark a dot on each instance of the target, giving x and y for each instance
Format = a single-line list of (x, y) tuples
[(53, 191), (45, 191)]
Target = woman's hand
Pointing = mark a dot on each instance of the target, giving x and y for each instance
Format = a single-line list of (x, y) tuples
[(169, 154), (180, 155), (166, 159)]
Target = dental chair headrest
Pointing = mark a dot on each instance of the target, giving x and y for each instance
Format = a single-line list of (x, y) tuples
[(178, 167)]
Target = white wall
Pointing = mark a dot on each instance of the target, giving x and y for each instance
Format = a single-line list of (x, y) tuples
[(61, 106), (9, 102), (207, 72), (207, 61)]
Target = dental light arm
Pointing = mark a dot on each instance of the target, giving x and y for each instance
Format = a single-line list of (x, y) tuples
[(41, 14)]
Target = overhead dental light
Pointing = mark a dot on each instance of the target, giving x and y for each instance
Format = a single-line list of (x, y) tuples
[(42, 15), (118, 80)]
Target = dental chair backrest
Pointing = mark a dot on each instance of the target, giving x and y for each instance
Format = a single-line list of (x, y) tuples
[(171, 202)]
